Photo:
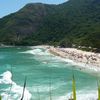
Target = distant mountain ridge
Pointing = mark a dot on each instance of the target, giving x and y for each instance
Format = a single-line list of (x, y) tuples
[(74, 22)]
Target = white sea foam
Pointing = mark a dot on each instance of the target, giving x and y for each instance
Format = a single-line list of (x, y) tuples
[(84, 95), (47, 88), (42, 88), (16, 90), (6, 78), (82, 66), (85, 67), (81, 95), (37, 51)]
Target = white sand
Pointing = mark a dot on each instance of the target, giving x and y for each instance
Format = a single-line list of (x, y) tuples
[(86, 60)]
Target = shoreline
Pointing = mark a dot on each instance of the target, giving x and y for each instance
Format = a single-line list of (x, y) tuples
[(83, 60), (86, 61)]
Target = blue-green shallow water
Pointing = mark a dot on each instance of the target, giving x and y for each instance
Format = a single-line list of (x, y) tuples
[(41, 69)]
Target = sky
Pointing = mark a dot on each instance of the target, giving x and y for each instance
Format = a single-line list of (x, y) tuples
[(11, 6)]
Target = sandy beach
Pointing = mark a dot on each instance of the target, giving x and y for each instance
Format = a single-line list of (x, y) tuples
[(86, 60)]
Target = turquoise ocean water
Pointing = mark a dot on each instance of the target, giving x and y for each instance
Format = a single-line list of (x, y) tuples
[(44, 72)]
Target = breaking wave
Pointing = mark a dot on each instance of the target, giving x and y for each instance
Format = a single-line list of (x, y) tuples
[(10, 90)]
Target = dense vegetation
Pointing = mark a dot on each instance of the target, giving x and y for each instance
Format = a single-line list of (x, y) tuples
[(74, 22)]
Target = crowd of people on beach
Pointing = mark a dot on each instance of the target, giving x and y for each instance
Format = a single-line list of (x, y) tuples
[(82, 56), (78, 55)]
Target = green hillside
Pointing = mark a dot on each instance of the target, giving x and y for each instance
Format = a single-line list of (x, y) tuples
[(73, 22)]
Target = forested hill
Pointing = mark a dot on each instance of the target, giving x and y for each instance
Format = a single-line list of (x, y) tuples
[(74, 22)]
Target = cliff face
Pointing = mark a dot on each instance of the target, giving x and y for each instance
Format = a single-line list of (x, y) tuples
[(74, 22)]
